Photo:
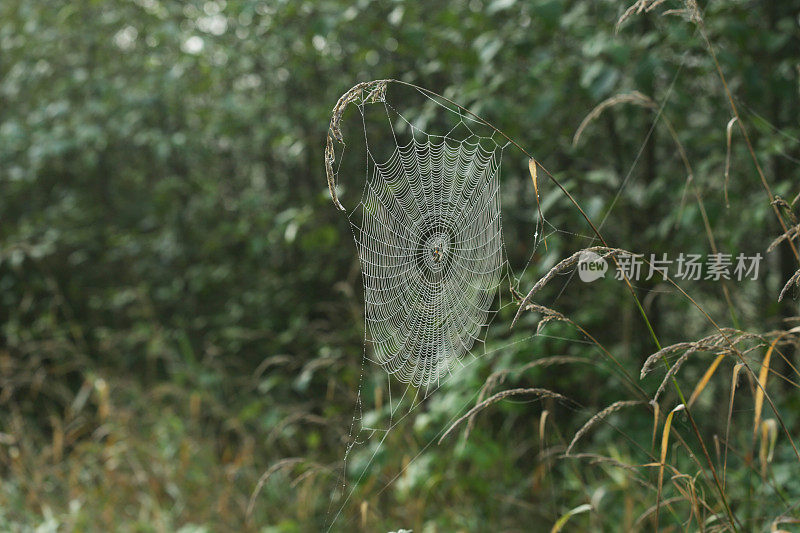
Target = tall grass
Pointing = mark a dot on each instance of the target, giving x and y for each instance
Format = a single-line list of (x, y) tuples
[(681, 480)]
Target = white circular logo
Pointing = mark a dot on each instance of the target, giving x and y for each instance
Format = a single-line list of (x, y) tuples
[(591, 266)]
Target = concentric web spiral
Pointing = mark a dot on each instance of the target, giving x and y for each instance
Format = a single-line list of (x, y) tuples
[(430, 248), (428, 233)]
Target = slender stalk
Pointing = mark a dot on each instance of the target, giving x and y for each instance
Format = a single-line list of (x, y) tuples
[(745, 135)]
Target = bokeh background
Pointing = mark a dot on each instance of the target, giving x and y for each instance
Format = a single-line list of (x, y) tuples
[(180, 303)]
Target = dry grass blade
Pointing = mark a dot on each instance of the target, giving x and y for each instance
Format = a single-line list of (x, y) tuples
[(634, 97), (705, 379), (366, 91), (616, 406), (532, 170), (663, 456), (728, 134), (534, 174), (734, 381), (763, 374), (656, 413), (769, 435), (542, 425), (541, 393), (794, 280)]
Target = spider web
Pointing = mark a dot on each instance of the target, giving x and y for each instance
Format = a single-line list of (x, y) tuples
[(430, 247), (428, 232)]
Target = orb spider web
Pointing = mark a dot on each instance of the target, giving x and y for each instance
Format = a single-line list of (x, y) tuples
[(427, 228), (428, 232)]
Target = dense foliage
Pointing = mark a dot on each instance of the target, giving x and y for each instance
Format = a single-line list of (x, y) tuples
[(181, 303)]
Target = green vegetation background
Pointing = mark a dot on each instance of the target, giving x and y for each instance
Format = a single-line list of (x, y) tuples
[(180, 303)]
